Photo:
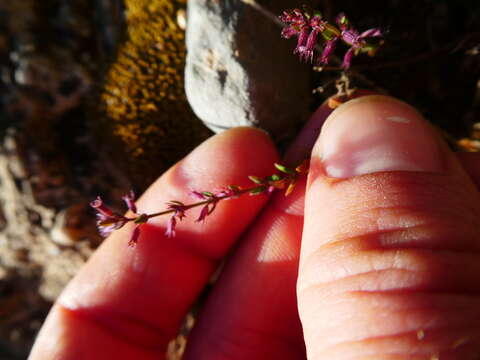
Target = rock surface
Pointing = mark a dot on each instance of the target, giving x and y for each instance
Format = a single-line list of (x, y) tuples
[(239, 71)]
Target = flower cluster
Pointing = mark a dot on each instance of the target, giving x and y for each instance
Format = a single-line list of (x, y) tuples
[(285, 180), (178, 208), (310, 26), (108, 220)]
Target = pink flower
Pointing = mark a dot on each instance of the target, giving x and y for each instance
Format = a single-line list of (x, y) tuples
[(107, 220), (170, 232), (295, 20), (199, 195), (130, 201), (211, 199), (179, 213), (357, 41), (204, 212), (107, 225), (328, 50), (306, 27), (134, 237), (231, 192)]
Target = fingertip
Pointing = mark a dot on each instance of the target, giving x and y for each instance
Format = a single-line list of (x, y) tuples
[(220, 159), (123, 288), (377, 133), (471, 163), (387, 207), (224, 159), (302, 146)]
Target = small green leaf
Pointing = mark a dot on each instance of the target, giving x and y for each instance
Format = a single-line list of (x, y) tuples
[(303, 167), (343, 20), (207, 194), (141, 219), (284, 169), (257, 191), (256, 179), (290, 187), (331, 32), (234, 188), (274, 177)]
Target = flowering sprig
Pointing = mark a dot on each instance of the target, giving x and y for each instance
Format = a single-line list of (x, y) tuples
[(109, 221), (308, 25)]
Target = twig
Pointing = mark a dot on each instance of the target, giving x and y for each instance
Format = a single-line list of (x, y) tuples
[(353, 73), (451, 48), (267, 13), (109, 220)]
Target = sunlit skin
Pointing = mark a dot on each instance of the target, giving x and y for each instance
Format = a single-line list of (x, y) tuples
[(375, 265)]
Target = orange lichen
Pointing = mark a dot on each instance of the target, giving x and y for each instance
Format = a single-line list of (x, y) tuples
[(143, 102)]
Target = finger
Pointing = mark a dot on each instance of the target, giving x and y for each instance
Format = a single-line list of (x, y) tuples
[(128, 302), (252, 311), (389, 262), (471, 163)]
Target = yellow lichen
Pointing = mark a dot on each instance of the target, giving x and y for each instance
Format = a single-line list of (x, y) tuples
[(143, 101)]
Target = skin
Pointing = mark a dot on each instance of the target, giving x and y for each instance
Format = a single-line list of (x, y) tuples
[(323, 281)]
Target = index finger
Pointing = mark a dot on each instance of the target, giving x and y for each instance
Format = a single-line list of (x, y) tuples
[(128, 302)]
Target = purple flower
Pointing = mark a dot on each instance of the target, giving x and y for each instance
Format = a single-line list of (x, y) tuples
[(211, 202), (199, 195), (297, 24), (357, 41), (327, 50), (98, 205), (130, 201), (170, 232), (306, 27), (212, 199), (295, 20), (230, 192), (317, 25), (106, 225), (270, 189), (179, 213), (347, 58), (342, 21), (134, 237), (107, 220), (301, 48), (204, 212)]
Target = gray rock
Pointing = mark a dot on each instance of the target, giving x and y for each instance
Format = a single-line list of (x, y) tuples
[(239, 71)]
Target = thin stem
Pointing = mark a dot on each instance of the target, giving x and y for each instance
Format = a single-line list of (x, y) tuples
[(109, 221), (264, 11), (271, 16), (205, 202)]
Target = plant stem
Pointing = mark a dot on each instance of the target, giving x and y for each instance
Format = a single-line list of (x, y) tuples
[(208, 201)]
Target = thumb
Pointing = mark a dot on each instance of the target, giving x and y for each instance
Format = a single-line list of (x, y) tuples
[(390, 259)]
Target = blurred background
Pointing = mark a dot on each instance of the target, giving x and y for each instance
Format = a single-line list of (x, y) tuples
[(93, 100)]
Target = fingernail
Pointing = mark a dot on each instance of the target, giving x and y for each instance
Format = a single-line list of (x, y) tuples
[(374, 134), (302, 146)]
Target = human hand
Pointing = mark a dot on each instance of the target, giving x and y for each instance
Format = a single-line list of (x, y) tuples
[(387, 268)]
